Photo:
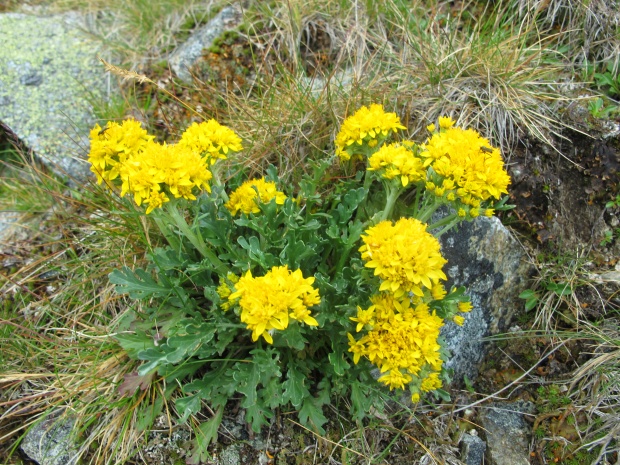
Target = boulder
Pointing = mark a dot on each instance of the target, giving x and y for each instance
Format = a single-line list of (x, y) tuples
[(483, 256), (50, 78), (187, 54)]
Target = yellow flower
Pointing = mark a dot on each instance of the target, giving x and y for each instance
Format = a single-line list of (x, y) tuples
[(465, 307), (468, 162), (368, 124), (401, 340), (431, 382), (431, 127), (246, 198), (112, 145), (155, 200), (404, 255), (161, 167), (395, 161), (415, 397), (459, 320), (363, 318), (269, 301), (395, 379), (445, 122), (210, 139), (438, 292)]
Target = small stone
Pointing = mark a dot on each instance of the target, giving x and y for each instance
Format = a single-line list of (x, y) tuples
[(472, 449), (49, 442), (507, 432)]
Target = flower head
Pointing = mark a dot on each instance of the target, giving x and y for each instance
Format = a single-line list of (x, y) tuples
[(267, 302), (250, 194), (396, 161), (404, 255), (369, 125), (401, 339), (210, 139), (467, 160), (112, 145)]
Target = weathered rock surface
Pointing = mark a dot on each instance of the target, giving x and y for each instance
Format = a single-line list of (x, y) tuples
[(507, 432), (49, 442), (472, 449), (49, 77), (186, 55), (484, 257)]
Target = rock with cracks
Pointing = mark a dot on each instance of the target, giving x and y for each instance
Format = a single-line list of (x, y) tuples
[(50, 78), (187, 55), (483, 256)]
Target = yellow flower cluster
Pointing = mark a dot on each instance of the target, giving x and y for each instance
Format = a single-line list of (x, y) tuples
[(111, 146), (269, 301), (404, 255), (471, 169), (401, 341), (369, 126), (397, 161), (212, 139), (246, 197), (153, 172)]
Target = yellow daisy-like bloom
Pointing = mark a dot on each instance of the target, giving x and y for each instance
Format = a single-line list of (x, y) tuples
[(159, 167), (112, 145), (431, 382), (459, 320), (401, 341), (246, 198), (466, 159), (369, 125), (465, 307), (445, 122), (404, 255), (267, 302), (211, 139), (396, 161)]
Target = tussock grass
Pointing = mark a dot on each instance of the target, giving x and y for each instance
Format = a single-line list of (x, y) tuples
[(591, 27), (57, 350)]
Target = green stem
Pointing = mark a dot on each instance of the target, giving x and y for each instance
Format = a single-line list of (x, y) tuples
[(196, 240), (163, 228), (454, 220), (392, 195), (427, 211), (442, 222)]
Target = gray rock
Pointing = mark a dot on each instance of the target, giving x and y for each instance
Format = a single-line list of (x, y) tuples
[(50, 443), (49, 78), (472, 449), (484, 257), (507, 432), (186, 55)]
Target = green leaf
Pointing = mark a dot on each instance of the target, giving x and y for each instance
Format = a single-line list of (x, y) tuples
[(206, 433), (295, 390), (247, 376), (187, 406), (339, 363), (257, 416), (138, 285), (360, 400), (134, 343), (311, 415), (290, 337)]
